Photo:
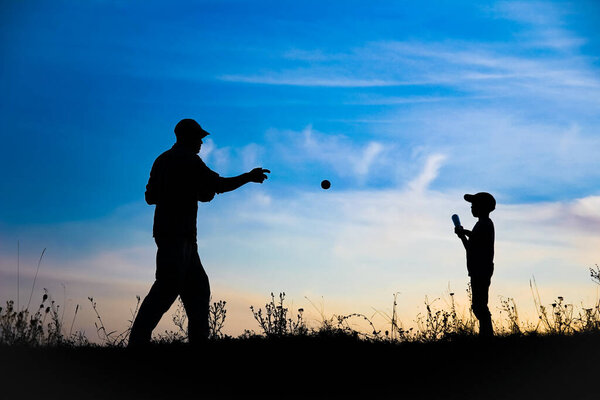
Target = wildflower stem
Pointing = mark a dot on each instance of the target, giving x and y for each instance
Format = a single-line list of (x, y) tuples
[(35, 278)]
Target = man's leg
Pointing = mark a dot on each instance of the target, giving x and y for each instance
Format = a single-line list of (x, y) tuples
[(479, 291), (170, 267), (157, 302), (196, 298)]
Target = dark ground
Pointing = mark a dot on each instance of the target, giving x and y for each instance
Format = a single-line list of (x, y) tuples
[(545, 367)]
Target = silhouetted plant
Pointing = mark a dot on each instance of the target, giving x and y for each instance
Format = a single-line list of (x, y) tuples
[(216, 319), (343, 326), (562, 317), (509, 307), (112, 338), (275, 322), (437, 324), (44, 326), (30, 329), (179, 319), (559, 320), (595, 273), (589, 319), (54, 328), (462, 325), (434, 324), (396, 331), (19, 327)]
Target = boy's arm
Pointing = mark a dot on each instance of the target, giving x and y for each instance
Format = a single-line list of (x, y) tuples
[(462, 233)]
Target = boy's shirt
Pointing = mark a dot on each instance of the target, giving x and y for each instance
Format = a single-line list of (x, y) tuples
[(480, 249)]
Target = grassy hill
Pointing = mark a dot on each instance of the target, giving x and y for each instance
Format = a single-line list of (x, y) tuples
[(311, 366), (557, 358)]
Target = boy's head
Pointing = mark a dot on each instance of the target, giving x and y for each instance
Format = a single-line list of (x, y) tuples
[(482, 203)]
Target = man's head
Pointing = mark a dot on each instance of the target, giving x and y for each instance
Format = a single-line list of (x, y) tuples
[(482, 203), (189, 133)]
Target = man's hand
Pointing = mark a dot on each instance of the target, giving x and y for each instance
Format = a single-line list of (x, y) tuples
[(258, 175)]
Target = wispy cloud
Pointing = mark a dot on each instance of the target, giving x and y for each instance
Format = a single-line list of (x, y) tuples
[(478, 146), (227, 160), (370, 155), (543, 24), (294, 78), (312, 150), (429, 173), (488, 147), (543, 61)]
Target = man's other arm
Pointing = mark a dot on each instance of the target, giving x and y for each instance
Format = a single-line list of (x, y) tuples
[(152, 187)]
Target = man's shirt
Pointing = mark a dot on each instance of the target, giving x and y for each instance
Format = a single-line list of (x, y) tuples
[(178, 180), (480, 249)]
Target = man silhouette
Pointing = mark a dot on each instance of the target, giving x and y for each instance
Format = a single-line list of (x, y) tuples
[(479, 244), (178, 180)]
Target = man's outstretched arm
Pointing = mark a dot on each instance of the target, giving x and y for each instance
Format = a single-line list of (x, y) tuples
[(257, 175)]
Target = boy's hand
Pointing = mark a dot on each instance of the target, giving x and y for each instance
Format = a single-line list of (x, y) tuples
[(460, 232)]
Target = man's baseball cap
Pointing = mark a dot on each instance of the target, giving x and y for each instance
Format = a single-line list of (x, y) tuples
[(483, 199), (188, 127)]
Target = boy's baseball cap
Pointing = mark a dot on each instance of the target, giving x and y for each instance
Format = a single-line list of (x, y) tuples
[(188, 127), (483, 199)]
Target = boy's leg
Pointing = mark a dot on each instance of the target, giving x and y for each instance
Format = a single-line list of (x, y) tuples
[(196, 299), (170, 265), (479, 291)]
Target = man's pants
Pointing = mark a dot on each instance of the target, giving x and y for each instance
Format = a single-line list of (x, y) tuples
[(479, 296), (179, 272)]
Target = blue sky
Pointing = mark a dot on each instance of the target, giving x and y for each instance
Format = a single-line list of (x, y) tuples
[(399, 104)]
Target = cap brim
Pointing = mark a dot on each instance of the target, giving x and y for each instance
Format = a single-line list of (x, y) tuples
[(469, 197), (203, 133)]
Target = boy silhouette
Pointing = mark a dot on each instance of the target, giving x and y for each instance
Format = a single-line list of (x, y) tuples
[(479, 245)]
